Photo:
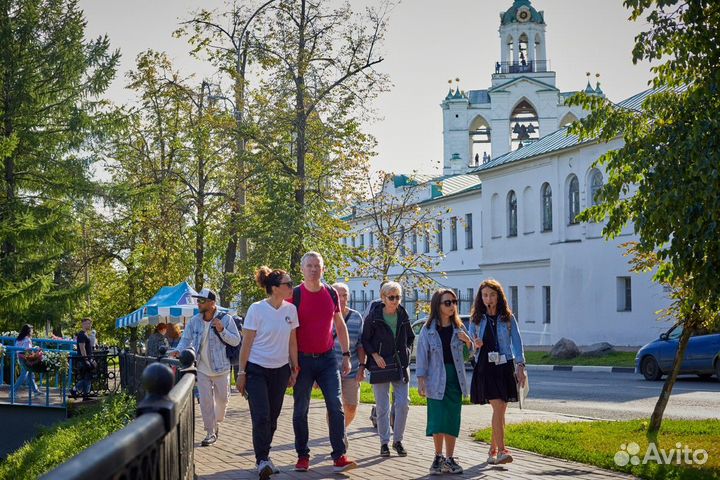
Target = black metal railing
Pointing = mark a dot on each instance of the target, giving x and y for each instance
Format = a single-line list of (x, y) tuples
[(523, 66), (132, 367), (157, 445), (104, 377)]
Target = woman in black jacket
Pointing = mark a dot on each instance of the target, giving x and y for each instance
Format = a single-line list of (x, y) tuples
[(388, 339)]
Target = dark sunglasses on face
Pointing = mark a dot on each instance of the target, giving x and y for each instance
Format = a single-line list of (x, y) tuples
[(394, 298), (289, 283), (447, 303), (200, 301)]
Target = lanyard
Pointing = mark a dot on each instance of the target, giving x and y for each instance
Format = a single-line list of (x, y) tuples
[(493, 329)]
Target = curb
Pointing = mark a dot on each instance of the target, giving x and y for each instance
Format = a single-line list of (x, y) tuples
[(580, 368)]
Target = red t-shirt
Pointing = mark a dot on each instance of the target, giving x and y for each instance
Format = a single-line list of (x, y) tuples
[(316, 313)]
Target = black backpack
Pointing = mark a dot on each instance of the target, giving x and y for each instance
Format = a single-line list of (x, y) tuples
[(232, 352), (331, 291)]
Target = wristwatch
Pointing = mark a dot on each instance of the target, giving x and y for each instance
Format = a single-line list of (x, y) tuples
[(242, 372), (346, 354)]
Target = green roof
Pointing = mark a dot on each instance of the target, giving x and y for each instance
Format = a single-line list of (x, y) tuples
[(562, 139)]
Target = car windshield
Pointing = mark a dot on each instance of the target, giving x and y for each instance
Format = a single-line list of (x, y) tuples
[(675, 332)]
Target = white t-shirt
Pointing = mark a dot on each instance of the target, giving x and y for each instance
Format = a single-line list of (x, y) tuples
[(271, 347), (203, 364)]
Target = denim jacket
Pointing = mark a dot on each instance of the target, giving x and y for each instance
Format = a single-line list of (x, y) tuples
[(429, 361), (509, 343), (192, 337)]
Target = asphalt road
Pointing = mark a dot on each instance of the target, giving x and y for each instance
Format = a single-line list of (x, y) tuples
[(618, 396)]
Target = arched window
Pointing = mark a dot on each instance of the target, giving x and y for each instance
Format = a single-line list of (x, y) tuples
[(495, 214), (546, 208), (524, 125), (596, 183), (573, 200), (512, 214)]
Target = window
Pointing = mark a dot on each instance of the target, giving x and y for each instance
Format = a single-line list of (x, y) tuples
[(372, 295), (439, 228), (426, 243), (344, 241), (371, 239), (546, 304), (362, 241), (624, 294), (468, 231), (596, 183), (401, 240), (573, 200), (467, 304), (512, 214), (546, 208), (413, 242), (453, 233), (514, 301), (353, 240)]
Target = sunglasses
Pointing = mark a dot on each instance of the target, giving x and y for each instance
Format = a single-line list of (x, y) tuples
[(447, 303), (289, 283), (394, 298), (200, 301)]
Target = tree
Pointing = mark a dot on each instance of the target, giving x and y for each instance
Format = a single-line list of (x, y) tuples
[(665, 177), (50, 80), (299, 126), (403, 232)]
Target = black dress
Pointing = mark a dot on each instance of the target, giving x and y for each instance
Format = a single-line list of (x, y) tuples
[(491, 381)]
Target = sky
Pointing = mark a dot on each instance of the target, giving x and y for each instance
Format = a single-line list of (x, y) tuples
[(427, 43)]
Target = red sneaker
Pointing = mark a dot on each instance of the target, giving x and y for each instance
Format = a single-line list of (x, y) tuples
[(342, 464), (303, 464)]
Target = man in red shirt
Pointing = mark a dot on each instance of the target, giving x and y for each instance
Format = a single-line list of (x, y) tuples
[(318, 310)]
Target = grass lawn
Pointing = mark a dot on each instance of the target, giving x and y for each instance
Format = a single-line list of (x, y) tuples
[(367, 396), (597, 443), (616, 359), (57, 444)]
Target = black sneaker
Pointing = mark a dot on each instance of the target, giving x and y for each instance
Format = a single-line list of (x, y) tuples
[(451, 466), (436, 467), (384, 450), (398, 447)]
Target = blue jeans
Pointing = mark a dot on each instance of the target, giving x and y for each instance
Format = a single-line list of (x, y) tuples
[(382, 406), (84, 383), (322, 369), (26, 377)]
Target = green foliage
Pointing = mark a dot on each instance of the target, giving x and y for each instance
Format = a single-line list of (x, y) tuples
[(596, 443), (57, 444), (50, 78)]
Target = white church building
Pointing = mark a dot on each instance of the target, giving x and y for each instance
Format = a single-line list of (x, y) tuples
[(513, 183)]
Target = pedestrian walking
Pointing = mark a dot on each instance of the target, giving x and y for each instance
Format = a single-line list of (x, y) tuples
[(440, 369), (500, 366), (268, 361), (85, 361), (350, 383), (207, 333), (26, 377), (388, 339), (318, 311)]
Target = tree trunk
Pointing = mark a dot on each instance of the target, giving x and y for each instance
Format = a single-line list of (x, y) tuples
[(300, 126), (200, 206), (657, 415), (237, 208)]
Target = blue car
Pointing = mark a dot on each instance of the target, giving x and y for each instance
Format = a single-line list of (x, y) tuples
[(702, 356)]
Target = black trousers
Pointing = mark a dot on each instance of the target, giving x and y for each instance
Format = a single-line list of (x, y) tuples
[(266, 392)]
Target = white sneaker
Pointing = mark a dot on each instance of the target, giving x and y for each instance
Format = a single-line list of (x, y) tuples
[(504, 457), (492, 457), (272, 465), (264, 469)]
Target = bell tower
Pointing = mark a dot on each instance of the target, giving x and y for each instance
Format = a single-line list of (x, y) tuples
[(522, 40)]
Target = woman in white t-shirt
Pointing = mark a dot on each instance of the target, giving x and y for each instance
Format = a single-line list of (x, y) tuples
[(268, 360)]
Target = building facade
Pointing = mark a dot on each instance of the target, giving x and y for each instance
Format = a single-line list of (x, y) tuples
[(513, 183)]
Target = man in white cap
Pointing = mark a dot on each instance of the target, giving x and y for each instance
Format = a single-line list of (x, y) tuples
[(207, 333)]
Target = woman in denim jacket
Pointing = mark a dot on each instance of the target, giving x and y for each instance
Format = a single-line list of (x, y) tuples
[(500, 363), (440, 369)]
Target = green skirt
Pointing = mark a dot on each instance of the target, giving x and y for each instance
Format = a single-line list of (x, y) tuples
[(443, 416)]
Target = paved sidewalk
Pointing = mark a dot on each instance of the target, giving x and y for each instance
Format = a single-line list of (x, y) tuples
[(232, 456)]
